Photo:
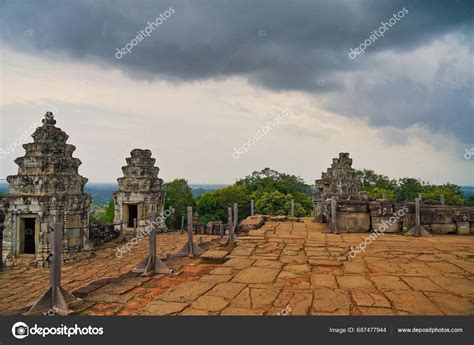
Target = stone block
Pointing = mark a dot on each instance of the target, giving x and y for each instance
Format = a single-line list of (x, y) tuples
[(408, 221), (351, 206), (384, 224), (441, 229), (437, 214), (463, 228), (353, 222)]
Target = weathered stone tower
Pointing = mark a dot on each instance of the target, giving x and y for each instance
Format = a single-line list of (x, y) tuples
[(47, 189), (139, 191), (338, 181)]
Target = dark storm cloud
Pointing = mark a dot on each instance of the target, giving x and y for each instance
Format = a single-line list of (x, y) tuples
[(280, 45)]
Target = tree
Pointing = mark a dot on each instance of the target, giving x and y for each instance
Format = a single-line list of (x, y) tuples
[(179, 196), (212, 206), (278, 204), (107, 216)]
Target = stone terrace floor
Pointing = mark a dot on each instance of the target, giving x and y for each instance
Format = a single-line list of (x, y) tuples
[(284, 267)]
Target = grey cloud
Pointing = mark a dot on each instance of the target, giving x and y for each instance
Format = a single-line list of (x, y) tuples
[(279, 45)]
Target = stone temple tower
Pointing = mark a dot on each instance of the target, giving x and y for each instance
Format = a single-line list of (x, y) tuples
[(338, 181), (47, 189), (139, 190)]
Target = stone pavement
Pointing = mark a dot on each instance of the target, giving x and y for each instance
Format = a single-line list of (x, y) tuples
[(282, 268)]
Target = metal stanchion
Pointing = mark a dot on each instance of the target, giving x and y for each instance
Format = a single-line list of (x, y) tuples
[(152, 264), (230, 224), (190, 248), (134, 227), (252, 206), (292, 207), (55, 300), (221, 230), (182, 224), (418, 229), (236, 218), (332, 227)]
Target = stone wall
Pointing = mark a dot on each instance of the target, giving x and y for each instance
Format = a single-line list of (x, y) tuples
[(365, 216)]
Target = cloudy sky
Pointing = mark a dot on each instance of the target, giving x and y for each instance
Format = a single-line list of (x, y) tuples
[(208, 75)]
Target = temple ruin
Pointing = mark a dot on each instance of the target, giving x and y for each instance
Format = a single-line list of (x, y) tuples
[(47, 189), (139, 190), (355, 213), (338, 180)]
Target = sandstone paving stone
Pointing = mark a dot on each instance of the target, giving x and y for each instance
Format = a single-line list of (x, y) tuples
[(243, 299), (239, 263), (412, 302), (385, 282), (376, 311), (451, 304), (188, 291), (353, 282), (323, 280), (369, 298), (422, 284), (194, 312), (222, 270), (460, 286), (210, 303), (163, 308), (226, 290), (268, 263), (297, 269), (256, 275), (216, 278), (328, 300), (263, 297), (235, 311)]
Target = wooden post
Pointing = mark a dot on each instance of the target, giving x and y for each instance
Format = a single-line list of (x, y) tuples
[(55, 300), (152, 264), (190, 249), (418, 229), (252, 206), (236, 217), (230, 224), (2, 265)]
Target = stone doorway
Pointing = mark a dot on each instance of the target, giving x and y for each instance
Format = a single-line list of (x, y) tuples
[(28, 245), (132, 214)]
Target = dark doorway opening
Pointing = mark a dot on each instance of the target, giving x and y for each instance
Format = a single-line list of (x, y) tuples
[(29, 236), (132, 214)]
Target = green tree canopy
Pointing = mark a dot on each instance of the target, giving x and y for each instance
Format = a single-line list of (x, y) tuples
[(179, 196)]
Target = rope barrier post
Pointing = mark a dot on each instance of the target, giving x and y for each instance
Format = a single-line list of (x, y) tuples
[(235, 219), (55, 300), (230, 224), (134, 227), (3, 266), (182, 224), (221, 230), (418, 230), (292, 207), (442, 200), (332, 226), (190, 248), (152, 264), (252, 206)]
